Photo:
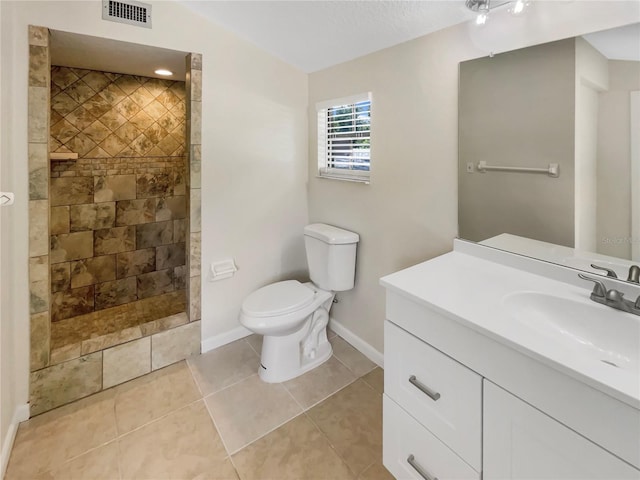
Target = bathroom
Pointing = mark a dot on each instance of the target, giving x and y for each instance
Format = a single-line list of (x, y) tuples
[(259, 184)]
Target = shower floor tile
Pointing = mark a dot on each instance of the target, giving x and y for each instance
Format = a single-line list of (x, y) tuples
[(161, 425), (112, 321)]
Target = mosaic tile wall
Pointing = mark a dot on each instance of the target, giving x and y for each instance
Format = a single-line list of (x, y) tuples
[(118, 214), (102, 115)]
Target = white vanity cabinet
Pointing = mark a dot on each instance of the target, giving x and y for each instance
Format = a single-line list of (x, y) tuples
[(461, 405), (444, 421)]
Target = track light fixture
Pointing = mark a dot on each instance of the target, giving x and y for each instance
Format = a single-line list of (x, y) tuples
[(483, 7)]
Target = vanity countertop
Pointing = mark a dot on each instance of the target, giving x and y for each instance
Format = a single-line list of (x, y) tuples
[(472, 291)]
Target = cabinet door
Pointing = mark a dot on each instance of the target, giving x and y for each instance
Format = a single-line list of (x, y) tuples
[(521, 443)]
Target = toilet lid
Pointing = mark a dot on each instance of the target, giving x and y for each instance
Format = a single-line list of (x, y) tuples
[(278, 299)]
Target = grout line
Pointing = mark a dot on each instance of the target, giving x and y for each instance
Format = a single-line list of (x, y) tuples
[(115, 412), (367, 468), (119, 458), (162, 417), (324, 398), (114, 439), (356, 350), (332, 446), (215, 425), (301, 412), (332, 394), (344, 365), (369, 385), (262, 435), (187, 405), (70, 459), (193, 377), (191, 369), (228, 386), (292, 396), (251, 346)]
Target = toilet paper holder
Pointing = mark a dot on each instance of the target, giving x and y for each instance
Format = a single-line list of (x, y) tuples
[(223, 269)]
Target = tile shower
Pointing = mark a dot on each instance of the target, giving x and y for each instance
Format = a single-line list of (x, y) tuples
[(117, 293), (118, 213)]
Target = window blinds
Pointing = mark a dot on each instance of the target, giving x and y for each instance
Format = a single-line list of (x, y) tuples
[(344, 138)]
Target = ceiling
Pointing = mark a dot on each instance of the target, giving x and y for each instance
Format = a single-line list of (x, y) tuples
[(313, 35), (622, 43), (106, 55)]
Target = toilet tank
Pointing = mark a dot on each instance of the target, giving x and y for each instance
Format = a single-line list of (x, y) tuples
[(331, 255)]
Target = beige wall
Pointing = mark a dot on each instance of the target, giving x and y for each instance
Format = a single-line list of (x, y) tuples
[(254, 120), (614, 160), (517, 109), (8, 391), (408, 212)]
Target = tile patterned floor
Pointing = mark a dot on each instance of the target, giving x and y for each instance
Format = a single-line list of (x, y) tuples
[(211, 417)]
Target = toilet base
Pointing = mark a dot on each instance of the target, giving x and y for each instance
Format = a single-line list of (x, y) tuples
[(289, 356), (275, 375)]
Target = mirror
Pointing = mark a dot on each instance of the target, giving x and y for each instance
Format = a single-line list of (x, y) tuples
[(549, 151)]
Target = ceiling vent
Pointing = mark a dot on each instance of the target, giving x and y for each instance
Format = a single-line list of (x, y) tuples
[(127, 11)]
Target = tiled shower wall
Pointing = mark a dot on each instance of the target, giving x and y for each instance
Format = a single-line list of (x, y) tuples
[(118, 213), (80, 355), (124, 340)]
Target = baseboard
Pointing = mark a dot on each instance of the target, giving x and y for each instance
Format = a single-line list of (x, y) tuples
[(356, 342), (217, 341), (21, 414)]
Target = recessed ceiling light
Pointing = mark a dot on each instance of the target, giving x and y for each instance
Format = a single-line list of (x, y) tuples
[(164, 71)]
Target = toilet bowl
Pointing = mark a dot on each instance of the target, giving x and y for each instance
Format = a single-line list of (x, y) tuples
[(293, 316)]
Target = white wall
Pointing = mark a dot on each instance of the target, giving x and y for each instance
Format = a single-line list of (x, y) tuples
[(615, 169), (254, 155), (591, 78), (6, 378), (408, 213)]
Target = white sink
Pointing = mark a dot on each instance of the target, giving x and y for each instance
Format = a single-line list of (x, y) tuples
[(596, 332)]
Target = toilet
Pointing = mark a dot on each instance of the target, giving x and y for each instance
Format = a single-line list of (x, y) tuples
[(293, 316)]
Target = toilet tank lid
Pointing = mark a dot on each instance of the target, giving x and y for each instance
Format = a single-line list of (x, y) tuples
[(330, 234)]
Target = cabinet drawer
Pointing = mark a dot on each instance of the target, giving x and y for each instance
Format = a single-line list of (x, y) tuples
[(404, 438), (443, 395)]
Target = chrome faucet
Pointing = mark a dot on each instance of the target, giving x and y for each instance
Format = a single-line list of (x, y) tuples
[(610, 273), (611, 297), (633, 277), (634, 274)]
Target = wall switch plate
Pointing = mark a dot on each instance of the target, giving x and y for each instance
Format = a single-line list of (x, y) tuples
[(469, 167)]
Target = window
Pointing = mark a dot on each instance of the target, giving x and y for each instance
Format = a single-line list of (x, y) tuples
[(344, 138)]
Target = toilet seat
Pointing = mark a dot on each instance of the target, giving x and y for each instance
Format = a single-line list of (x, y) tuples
[(278, 299)]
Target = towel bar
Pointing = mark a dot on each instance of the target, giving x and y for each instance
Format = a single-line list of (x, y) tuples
[(553, 170)]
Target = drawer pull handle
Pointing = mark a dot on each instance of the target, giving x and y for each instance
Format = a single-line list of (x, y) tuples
[(412, 461), (424, 389)]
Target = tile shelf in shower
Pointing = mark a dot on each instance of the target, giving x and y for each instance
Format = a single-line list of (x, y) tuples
[(57, 156)]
